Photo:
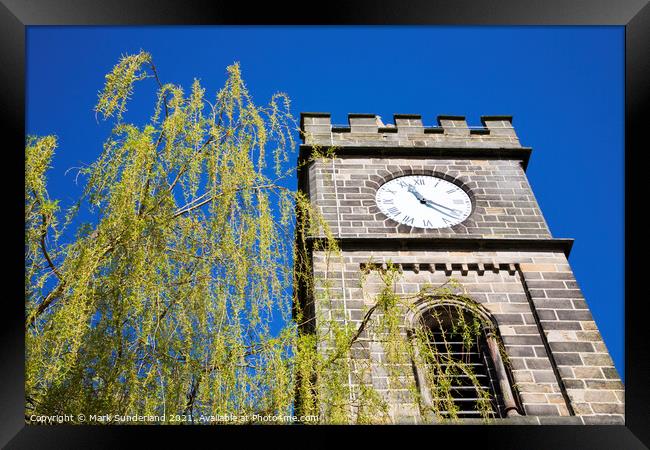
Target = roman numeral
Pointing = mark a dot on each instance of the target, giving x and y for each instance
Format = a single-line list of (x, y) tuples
[(446, 221), (419, 181), (388, 190), (427, 223), (451, 191), (394, 211), (408, 220), (388, 201), (402, 184)]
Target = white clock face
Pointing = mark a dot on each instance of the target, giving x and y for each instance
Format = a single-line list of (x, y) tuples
[(423, 201)]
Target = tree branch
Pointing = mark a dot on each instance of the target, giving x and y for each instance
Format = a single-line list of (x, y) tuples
[(160, 85), (362, 327), (43, 236), (191, 397), (51, 297), (187, 209), (45, 253), (56, 293), (186, 166)]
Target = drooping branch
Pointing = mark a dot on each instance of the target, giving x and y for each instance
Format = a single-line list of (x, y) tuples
[(45, 252), (185, 166), (56, 293), (191, 398), (44, 225), (47, 301), (185, 209), (160, 85), (362, 326)]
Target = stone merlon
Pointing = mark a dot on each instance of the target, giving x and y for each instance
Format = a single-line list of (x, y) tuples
[(407, 130)]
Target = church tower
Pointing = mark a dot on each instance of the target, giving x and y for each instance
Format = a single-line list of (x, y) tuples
[(449, 201)]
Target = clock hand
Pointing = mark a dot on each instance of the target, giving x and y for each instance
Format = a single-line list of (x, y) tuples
[(440, 211), (415, 192), (456, 211), (426, 201)]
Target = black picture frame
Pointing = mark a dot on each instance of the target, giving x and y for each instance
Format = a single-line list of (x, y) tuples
[(634, 15)]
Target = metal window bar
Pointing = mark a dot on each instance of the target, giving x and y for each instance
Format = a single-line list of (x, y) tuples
[(464, 393)]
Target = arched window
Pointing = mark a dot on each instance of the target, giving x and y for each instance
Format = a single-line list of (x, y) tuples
[(457, 360)]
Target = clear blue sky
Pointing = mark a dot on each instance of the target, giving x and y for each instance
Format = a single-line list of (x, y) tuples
[(563, 85)]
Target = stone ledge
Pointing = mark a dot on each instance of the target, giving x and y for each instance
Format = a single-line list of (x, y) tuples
[(447, 268), (439, 243), (341, 151)]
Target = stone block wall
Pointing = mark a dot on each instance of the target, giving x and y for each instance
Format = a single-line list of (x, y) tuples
[(559, 363), (408, 131), (503, 203)]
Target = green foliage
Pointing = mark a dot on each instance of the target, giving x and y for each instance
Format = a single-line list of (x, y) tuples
[(165, 304), (119, 84)]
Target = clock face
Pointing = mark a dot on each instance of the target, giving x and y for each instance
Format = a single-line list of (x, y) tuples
[(423, 201)]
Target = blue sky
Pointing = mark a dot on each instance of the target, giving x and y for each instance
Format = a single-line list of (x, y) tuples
[(563, 85)]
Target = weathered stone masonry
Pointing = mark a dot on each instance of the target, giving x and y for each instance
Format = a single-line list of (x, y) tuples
[(504, 205), (503, 254)]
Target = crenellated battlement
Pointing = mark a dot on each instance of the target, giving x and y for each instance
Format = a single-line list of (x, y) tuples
[(407, 130)]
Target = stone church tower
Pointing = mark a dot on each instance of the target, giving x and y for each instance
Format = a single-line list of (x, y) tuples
[(448, 201)]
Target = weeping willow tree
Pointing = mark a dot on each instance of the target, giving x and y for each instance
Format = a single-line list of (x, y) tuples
[(180, 296), (176, 297)]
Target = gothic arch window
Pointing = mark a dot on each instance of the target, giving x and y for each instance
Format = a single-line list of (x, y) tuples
[(457, 360)]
